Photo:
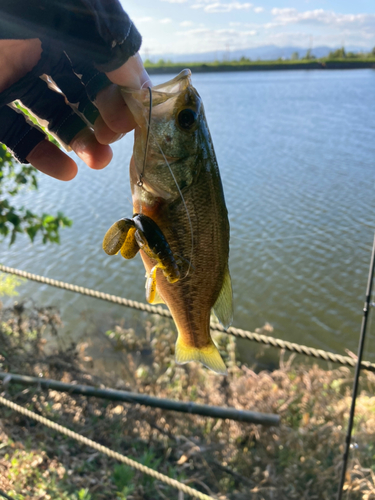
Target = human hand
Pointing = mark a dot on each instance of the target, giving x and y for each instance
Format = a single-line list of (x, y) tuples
[(19, 57)]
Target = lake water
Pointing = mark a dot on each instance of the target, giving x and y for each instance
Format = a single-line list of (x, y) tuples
[(296, 151)]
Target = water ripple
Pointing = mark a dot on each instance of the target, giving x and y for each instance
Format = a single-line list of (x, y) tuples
[(296, 152)]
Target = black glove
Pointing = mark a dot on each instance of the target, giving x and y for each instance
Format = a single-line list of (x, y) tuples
[(78, 41)]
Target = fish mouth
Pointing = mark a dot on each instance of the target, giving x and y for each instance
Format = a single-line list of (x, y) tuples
[(138, 100)]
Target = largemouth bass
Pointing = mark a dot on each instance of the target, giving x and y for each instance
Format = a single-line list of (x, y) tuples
[(181, 222)]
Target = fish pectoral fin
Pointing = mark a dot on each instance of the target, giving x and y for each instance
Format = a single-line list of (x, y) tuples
[(152, 294), (223, 307), (209, 356), (151, 285)]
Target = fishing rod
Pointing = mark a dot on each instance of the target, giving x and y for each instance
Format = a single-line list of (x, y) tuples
[(366, 310)]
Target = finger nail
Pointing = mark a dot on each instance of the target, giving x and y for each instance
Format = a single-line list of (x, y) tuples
[(117, 137)]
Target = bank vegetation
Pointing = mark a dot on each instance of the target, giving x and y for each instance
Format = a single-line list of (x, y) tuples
[(338, 59), (301, 459)]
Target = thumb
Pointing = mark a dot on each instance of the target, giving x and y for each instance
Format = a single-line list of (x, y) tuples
[(131, 74)]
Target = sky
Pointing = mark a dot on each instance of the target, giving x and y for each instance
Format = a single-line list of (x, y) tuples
[(192, 26)]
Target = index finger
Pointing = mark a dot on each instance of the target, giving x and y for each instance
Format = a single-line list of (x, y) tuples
[(131, 74)]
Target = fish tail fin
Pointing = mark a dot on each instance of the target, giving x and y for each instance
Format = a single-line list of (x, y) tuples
[(209, 356)]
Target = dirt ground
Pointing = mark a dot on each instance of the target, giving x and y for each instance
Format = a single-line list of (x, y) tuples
[(300, 459)]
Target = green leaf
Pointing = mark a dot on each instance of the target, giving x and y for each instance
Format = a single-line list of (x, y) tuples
[(31, 231), (13, 237), (15, 219), (47, 219)]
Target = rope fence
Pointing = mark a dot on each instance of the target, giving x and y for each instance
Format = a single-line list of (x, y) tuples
[(107, 451), (134, 398), (215, 327)]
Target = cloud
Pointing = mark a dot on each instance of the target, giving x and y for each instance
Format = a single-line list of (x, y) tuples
[(139, 20), (206, 39), (214, 7), (215, 33), (174, 1), (148, 19), (287, 16), (330, 38), (253, 26), (284, 27)]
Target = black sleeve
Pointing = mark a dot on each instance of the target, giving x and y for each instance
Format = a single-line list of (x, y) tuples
[(97, 31)]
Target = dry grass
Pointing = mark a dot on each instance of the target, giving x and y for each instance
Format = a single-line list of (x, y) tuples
[(299, 460)]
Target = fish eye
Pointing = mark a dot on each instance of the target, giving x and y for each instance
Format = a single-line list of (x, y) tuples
[(186, 118)]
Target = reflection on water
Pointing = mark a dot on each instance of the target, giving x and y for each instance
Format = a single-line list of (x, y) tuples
[(296, 151)]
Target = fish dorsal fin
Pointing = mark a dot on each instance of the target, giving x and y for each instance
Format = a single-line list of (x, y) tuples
[(223, 307), (209, 356)]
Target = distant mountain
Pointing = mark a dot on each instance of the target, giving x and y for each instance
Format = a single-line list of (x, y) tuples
[(265, 52)]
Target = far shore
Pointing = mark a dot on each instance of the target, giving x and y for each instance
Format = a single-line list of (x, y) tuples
[(160, 69)]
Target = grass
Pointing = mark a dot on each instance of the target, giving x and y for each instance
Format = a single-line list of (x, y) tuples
[(8, 284), (298, 460), (351, 60), (246, 62)]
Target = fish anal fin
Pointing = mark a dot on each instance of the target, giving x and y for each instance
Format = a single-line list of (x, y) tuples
[(223, 307), (209, 356), (158, 298)]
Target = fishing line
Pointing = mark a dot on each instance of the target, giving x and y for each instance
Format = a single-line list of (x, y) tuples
[(140, 181), (144, 84), (183, 201)]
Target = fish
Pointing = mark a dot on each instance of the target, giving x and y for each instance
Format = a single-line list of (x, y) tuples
[(180, 220)]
